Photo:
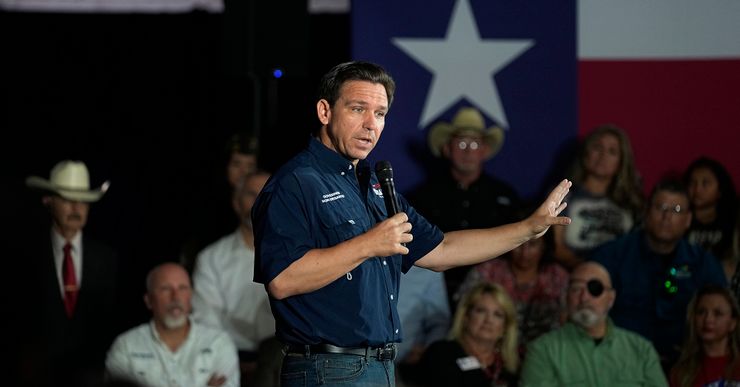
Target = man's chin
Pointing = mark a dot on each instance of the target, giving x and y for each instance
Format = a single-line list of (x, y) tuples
[(174, 322), (585, 318)]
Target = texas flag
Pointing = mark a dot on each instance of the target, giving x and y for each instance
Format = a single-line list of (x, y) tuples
[(666, 71)]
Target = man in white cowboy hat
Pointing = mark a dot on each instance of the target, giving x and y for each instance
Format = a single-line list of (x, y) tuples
[(72, 319), (464, 196)]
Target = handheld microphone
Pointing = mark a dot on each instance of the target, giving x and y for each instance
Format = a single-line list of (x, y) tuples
[(384, 171)]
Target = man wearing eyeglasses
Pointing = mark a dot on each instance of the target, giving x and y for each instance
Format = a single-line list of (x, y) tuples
[(462, 195), (656, 271), (590, 350)]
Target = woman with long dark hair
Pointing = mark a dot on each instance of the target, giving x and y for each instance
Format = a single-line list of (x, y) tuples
[(606, 197), (714, 207)]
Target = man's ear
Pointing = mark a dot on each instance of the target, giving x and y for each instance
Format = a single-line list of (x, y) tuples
[(147, 302), (323, 110), (46, 200), (446, 149), (613, 297)]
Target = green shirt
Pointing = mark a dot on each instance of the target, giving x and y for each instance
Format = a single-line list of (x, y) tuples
[(570, 357)]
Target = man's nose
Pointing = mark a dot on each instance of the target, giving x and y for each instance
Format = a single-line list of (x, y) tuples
[(371, 121)]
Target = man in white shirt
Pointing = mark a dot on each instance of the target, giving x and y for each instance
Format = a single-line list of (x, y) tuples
[(172, 350), (225, 296)]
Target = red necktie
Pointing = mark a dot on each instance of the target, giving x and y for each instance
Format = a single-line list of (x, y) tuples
[(70, 281)]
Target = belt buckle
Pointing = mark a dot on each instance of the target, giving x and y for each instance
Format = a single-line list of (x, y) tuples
[(387, 352)]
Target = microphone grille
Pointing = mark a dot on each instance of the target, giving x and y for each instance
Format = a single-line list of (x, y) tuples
[(384, 170)]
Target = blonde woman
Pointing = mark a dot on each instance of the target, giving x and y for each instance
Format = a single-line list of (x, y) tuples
[(482, 349), (711, 353)]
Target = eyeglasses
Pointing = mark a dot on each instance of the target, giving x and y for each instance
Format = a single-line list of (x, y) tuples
[(594, 287), (463, 144), (670, 208)]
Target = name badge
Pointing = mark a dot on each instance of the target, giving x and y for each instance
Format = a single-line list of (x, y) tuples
[(468, 363)]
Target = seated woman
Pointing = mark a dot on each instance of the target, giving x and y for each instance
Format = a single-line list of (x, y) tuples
[(482, 348), (713, 205), (605, 199), (536, 284), (710, 356)]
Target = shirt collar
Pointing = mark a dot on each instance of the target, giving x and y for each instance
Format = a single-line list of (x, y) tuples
[(58, 241), (609, 330), (155, 334), (330, 158)]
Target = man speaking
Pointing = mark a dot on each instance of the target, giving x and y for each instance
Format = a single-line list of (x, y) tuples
[(331, 258)]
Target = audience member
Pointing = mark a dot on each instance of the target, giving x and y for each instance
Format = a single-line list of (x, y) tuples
[(239, 159), (714, 206), (589, 350), (535, 283), (711, 352), (464, 196), (171, 349), (656, 271), (425, 317), (225, 296), (72, 285), (606, 196), (242, 157), (482, 349)]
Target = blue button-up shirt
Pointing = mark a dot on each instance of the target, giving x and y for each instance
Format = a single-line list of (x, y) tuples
[(317, 200)]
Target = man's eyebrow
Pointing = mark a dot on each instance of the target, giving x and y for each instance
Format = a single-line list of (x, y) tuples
[(351, 102)]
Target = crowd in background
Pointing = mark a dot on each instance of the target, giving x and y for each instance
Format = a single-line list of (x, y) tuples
[(645, 283)]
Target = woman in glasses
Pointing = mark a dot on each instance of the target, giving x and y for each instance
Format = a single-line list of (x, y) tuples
[(711, 353)]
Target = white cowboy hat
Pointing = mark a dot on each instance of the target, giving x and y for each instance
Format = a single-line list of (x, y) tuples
[(70, 180), (466, 120)]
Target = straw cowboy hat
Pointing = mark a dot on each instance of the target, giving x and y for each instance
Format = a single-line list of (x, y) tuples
[(466, 120), (70, 180)]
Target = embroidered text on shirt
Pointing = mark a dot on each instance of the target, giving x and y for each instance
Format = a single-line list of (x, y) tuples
[(332, 196)]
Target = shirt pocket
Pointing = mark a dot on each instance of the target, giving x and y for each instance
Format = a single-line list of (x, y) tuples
[(339, 223)]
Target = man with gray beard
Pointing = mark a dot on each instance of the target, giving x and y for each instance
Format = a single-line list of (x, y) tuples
[(172, 350), (589, 350)]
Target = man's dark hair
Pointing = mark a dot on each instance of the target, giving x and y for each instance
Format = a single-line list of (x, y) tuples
[(332, 81), (672, 185)]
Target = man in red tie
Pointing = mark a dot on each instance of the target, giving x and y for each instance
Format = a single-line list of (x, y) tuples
[(72, 279)]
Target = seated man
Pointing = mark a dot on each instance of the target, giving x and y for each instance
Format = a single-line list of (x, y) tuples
[(656, 271), (172, 350), (589, 350)]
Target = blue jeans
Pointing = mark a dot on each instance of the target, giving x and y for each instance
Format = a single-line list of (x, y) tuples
[(333, 369)]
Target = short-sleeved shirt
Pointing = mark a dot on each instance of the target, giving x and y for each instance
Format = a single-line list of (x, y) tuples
[(317, 200), (139, 355), (595, 220)]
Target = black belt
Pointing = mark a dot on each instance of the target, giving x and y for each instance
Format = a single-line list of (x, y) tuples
[(385, 352)]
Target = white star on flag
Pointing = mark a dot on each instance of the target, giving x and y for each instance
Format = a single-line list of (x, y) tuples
[(455, 74)]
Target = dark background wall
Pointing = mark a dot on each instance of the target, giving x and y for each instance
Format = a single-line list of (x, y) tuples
[(149, 101)]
